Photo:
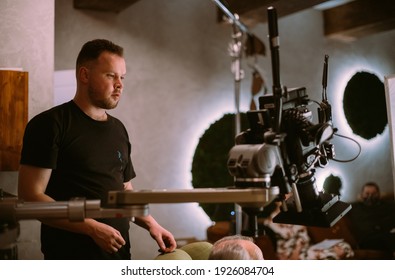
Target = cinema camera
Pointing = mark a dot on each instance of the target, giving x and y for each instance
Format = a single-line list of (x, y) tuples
[(263, 158), (283, 147)]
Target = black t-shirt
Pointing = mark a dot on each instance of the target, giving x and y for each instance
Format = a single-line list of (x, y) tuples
[(88, 158), (369, 221)]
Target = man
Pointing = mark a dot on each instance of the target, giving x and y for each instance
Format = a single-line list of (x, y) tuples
[(78, 150), (374, 219), (235, 247)]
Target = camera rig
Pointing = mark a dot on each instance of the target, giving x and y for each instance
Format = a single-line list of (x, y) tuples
[(283, 147)]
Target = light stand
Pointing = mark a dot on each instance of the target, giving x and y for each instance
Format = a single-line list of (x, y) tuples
[(235, 51), (236, 48)]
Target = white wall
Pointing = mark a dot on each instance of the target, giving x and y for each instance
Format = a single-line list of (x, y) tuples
[(389, 83), (27, 41)]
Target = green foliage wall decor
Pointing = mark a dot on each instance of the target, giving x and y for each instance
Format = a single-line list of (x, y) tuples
[(209, 166)]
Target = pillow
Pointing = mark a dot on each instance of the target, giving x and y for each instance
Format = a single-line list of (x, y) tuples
[(198, 250), (177, 254)]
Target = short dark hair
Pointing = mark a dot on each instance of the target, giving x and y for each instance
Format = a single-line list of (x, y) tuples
[(371, 183), (91, 50)]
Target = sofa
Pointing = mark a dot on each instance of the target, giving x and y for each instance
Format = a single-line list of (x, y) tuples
[(341, 230)]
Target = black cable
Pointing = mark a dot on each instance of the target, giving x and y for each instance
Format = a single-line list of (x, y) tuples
[(356, 142)]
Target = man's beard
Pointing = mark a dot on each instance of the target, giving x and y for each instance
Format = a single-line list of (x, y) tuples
[(107, 103), (370, 201)]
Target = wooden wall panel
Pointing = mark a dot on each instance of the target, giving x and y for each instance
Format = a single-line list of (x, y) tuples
[(13, 117)]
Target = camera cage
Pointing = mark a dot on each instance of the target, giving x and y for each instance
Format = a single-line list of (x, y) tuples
[(283, 147)]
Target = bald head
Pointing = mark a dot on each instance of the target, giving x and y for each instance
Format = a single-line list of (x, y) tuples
[(235, 247)]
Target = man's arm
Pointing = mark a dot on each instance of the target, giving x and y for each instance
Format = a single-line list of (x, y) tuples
[(32, 183), (162, 236)]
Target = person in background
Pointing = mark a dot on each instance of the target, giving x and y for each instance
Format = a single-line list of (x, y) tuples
[(373, 219), (77, 149), (235, 247)]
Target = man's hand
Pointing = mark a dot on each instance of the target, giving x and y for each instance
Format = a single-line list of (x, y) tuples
[(108, 238), (164, 238)]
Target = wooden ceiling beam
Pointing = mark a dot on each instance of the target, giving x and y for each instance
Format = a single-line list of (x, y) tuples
[(114, 6), (346, 22), (252, 12), (359, 18)]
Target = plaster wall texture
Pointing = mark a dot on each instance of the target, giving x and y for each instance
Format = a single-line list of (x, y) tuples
[(27, 42)]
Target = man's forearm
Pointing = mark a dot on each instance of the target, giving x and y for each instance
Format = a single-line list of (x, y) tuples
[(145, 222)]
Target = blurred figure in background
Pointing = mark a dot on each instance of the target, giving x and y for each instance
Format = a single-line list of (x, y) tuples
[(373, 219)]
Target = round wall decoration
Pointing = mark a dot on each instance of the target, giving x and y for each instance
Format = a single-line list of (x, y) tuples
[(365, 106)]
